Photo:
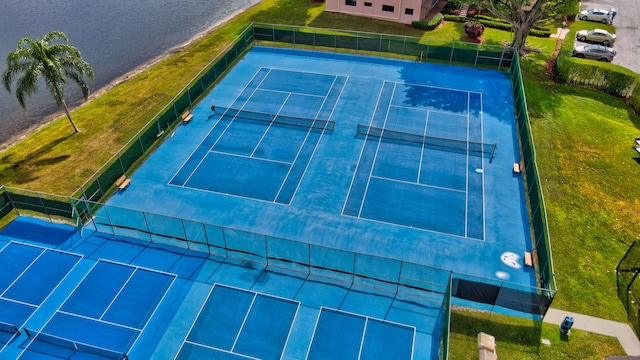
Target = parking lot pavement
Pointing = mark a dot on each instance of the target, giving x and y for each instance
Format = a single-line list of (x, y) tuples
[(627, 23)]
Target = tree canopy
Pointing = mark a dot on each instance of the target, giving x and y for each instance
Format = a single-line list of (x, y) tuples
[(524, 14), (55, 63)]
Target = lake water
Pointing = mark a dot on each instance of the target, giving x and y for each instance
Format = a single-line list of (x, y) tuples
[(114, 36)]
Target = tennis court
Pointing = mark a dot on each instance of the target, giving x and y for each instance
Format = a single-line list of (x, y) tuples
[(379, 158), (424, 145), (400, 159), (103, 316), (236, 323), (29, 275), (343, 335), (266, 138)]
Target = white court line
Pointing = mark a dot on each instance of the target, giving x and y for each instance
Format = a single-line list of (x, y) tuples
[(364, 144), (335, 105), (42, 251), (194, 321), (366, 318), (438, 87), (295, 159), (255, 295), (258, 293), (307, 72), (225, 129), (295, 191), (135, 270), (430, 110), (19, 302), (364, 332), (466, 209), (117, 294), (214, 126), (264, 133), (244, 321), (217, 349), (417, 184), (424, 134), (375, 157), (484, 218), (313, 334), (156, 308), (97, 320), (291, 92), (412, 227), (293, 321), (250, 157)]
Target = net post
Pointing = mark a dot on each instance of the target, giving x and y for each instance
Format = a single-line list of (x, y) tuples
[(493, 150)]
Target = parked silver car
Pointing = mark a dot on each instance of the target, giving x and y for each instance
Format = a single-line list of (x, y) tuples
[(596, 35), (596, 52), (599, 15)]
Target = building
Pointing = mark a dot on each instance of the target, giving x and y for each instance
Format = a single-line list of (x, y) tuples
[(402, 11)]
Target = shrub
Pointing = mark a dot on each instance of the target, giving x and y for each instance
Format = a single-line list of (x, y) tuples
[(473, 29), (605, 77), (452, 5), (430, 25)]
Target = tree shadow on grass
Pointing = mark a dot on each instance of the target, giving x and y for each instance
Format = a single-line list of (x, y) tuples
[(24, 171)]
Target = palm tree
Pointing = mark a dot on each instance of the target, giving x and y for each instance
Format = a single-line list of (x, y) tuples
[(55, 63)]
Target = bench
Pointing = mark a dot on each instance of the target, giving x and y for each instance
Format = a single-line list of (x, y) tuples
[(528, 259), (487, 347), (186, 116), (122, 182), (517, 168)]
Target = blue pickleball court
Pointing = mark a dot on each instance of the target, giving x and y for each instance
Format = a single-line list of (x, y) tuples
[(238, 324), (103, 316), (345, 336), (29, 275)]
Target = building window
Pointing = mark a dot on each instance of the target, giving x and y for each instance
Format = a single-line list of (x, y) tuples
[(408, 11), (367, 4), (350, 2), (388, 8)]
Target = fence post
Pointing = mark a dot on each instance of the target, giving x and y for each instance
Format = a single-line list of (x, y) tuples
[(453, 46)]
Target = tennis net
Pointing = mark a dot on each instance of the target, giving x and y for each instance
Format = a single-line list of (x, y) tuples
[(68, 344), (9, 328), (387, 134), (278, 119)]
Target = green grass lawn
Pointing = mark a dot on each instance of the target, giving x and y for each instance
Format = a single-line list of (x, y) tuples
[(584, 151), (518, 339)]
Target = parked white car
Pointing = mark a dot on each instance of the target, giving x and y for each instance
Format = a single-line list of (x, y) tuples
[(595, 15)]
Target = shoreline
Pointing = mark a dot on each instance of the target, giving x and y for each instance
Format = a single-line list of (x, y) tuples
[(48, 119)]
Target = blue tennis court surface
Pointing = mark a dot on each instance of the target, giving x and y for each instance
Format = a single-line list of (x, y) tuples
[(215, 307), (336, 162), (256, 326), (264, 158), (29, 275), (344, 336), (406, 160), (106, 312)]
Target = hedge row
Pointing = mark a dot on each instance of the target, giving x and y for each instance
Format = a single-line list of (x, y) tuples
[(498, 20), (611, 79), (497, 25), (430, 25)]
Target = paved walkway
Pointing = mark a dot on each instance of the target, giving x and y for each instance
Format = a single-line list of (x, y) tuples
[(622, 331), (561, 33)]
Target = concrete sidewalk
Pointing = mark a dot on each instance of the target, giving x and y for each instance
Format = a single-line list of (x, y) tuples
[(622, 331)]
